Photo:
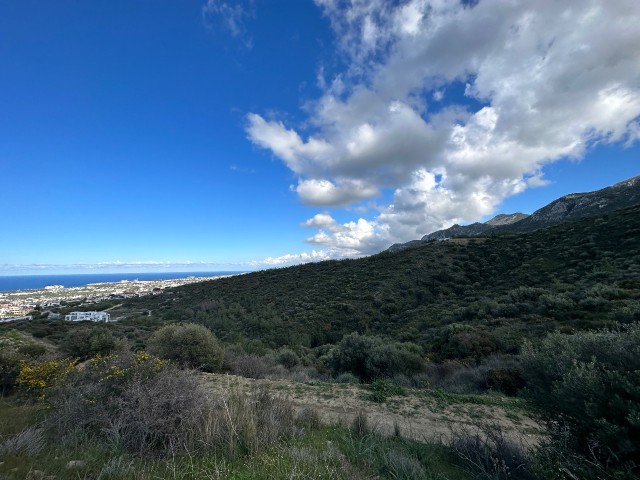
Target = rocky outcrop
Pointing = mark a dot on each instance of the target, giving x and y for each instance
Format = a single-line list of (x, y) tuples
[(506, 219)]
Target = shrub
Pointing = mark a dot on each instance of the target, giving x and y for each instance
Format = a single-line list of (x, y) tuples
[(589, 382), (43, 377), (32, 350), (489, 454), (189, 345), (9, 370), (370, 357), (461, 341), (247, 365), (145, 405), (456, 377), (85, 342), (347, 377), (287, 358), (139, 403), (505, 380)]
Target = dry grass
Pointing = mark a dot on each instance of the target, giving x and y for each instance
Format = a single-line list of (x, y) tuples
[(29, 441)]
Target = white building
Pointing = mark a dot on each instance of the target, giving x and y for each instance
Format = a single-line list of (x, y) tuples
[(92, 316)]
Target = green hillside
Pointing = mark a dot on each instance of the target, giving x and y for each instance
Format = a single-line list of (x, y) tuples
[(464, 297)]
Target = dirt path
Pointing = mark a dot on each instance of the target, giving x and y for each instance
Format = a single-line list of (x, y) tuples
[(420, 415)]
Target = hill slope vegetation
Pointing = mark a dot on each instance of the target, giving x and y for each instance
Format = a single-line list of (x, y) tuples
[(461, 297)]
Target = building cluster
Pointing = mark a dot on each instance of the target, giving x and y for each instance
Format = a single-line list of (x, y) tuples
[(18, 304), (16, 310)]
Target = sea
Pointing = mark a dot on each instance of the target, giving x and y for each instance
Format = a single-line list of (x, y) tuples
[(27, 282)]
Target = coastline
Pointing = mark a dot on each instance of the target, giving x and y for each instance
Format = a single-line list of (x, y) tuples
[(13, 283), (21, 302)]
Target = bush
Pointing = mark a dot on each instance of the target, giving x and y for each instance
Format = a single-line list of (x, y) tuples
[(461, 341), (138, 403), (589, 383), (33, 350), (248, 365), (489, 454), (347, 377), (9, 370), (287, 358), (145, 405), (43, 377), (85, 342), (456, 377), (370, 358), (505, 380), (190, 345)]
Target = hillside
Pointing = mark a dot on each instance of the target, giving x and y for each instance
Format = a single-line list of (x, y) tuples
[(459, 297)]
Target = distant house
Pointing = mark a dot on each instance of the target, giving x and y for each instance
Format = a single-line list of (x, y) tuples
[(91, 316)]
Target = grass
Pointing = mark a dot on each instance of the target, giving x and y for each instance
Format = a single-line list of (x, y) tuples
[(440, 399), (335, 452), (382, 389), (16, 416), (323, 453)]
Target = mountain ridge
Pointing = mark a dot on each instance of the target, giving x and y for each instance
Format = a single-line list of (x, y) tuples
[(573, 206)]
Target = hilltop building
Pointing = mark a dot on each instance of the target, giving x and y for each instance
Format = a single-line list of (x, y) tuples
[(91, 316)]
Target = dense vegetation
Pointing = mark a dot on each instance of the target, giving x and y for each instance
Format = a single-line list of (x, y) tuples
[(589, 384), (456, 299)]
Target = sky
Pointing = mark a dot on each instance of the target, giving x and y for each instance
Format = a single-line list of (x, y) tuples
[(184, 135)]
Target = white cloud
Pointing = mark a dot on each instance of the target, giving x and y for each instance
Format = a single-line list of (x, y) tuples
[(321, 220), (115, 265), (349, 239), (545, 80), (232, 15), (291, 259), (286, 143), (324, 192)]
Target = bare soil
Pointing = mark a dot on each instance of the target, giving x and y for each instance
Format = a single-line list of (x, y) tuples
[(419, 414)]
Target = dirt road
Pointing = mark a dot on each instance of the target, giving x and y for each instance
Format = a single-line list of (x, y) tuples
[(418, 414)]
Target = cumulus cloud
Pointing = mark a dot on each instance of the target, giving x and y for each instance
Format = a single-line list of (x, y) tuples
[(291, 259), (542, 80), (345, 240)]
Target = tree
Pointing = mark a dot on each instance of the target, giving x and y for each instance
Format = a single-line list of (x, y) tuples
[(191, 345)]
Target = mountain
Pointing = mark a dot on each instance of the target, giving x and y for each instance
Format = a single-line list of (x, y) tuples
[(580, 205), (568, 208), (475, 228)]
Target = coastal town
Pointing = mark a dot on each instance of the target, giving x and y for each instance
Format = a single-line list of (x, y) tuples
[(18, 304)]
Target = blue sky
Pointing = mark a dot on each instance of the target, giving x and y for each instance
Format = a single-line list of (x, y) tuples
[(233, 135)]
